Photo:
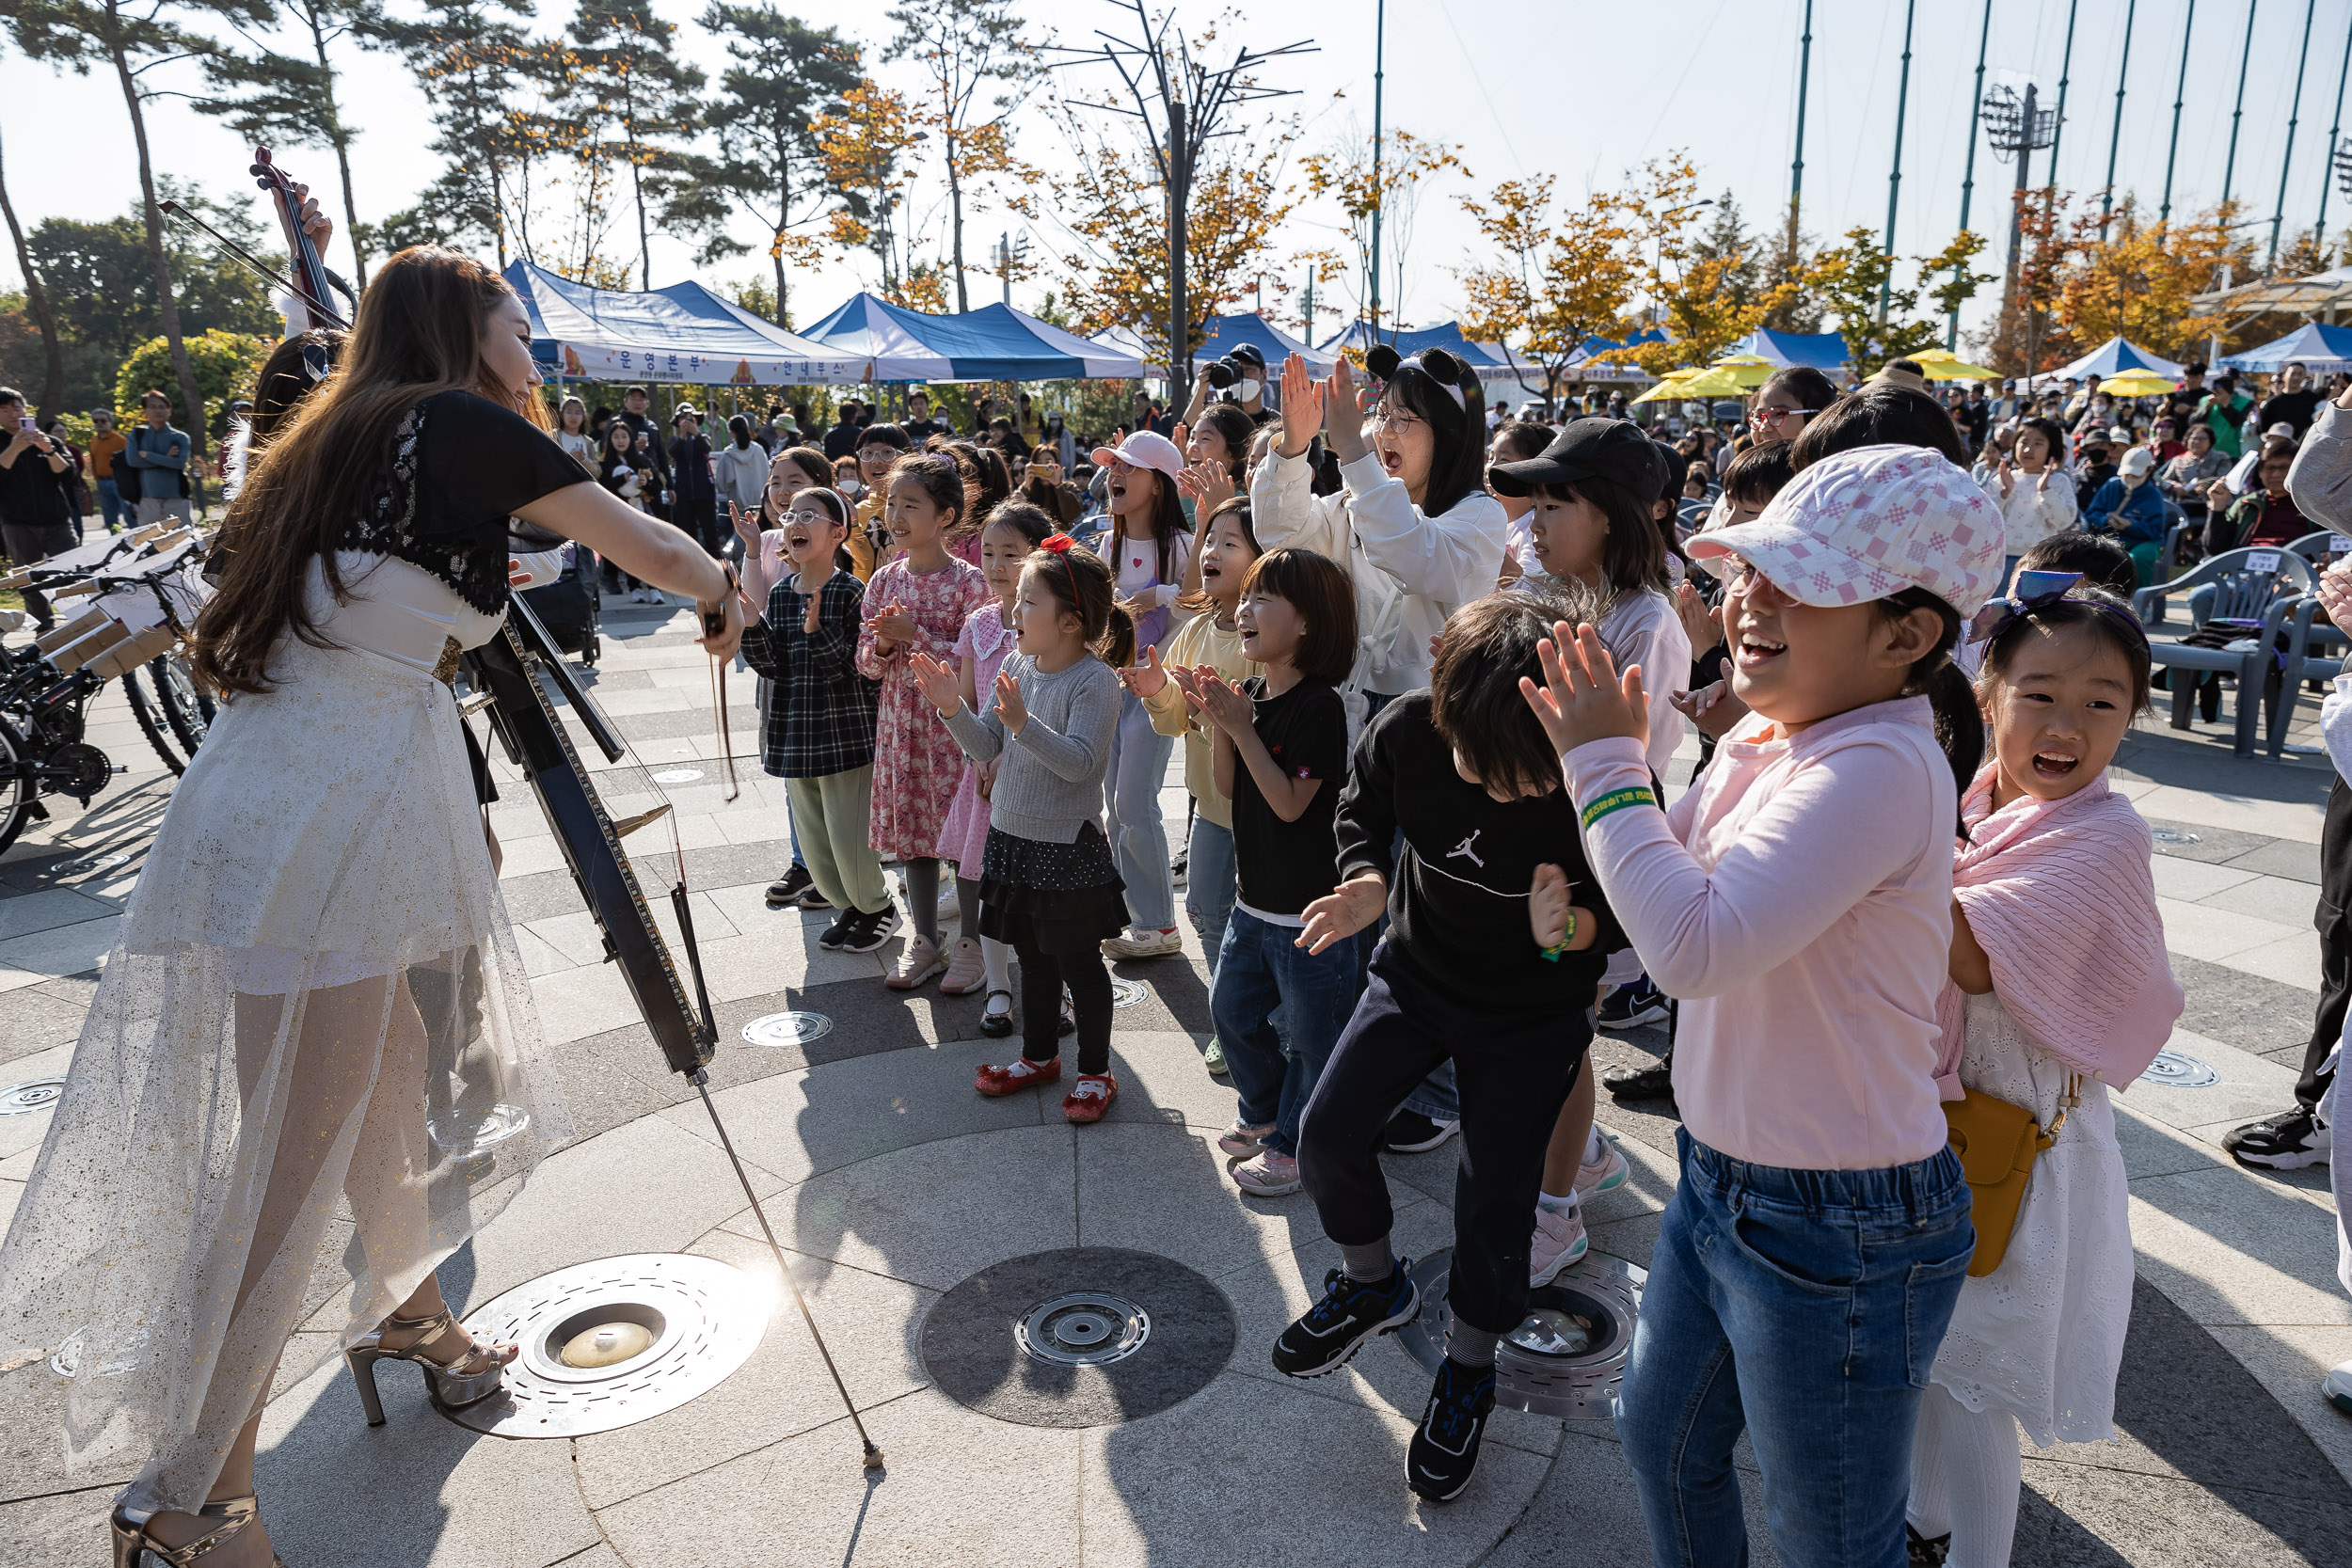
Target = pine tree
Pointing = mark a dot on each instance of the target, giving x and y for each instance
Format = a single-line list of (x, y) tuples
[(629, 74), (472, 60), (966, 47)]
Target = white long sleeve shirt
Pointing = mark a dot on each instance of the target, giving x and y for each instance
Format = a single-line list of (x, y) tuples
[(1410, 571)]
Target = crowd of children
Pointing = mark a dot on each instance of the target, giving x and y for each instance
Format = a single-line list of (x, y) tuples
[(1428, 719)]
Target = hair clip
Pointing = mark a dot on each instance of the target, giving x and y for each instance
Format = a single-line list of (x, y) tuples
[(1057, 543), (2036, 590)]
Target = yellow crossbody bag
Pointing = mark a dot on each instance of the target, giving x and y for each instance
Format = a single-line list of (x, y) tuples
[(1997, 1143)]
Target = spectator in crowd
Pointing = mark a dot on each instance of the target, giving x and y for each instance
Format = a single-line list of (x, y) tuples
[(1783, 405), (1149, 416), (2225, 412), (694, 507), (770, 433), (2132, 510), (105, 446), (35, 519), (2034, 496), (2186, 478), (651, 444), (76, 491), (2184, 401), (841, 440), (2164, 439), (2098, 466), (918, 424), (2264, 515), (158, 454), (2293, 404), (572, 435), (739, 469)]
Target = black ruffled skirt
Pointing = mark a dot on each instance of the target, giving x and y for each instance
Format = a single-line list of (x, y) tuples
[(1058, 897)]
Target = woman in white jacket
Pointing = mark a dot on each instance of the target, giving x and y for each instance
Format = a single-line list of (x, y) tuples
[(1413, 527)]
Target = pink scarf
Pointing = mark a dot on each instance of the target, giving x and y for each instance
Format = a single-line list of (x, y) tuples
[(2060, 897)]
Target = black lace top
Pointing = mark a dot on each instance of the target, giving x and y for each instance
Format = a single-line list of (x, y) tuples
[(458, 466)]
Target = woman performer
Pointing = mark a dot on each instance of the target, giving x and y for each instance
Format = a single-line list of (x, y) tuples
[(255, 1048)]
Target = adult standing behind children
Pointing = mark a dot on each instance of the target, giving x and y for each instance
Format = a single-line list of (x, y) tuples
[(158, 454), (1413, 527)]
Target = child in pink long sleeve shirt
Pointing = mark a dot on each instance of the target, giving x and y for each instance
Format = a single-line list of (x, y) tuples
[(1798, 898)]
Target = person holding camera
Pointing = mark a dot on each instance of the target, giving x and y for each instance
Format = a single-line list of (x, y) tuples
[(157, 457), (35, 521)]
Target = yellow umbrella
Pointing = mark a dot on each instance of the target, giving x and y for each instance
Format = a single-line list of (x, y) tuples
[(1941, 364), (1748, 369), (2136, 384), (1670, 385), (1714, 382)]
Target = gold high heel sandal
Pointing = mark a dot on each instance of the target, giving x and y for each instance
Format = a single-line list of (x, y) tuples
[(450, 1388), (131, 1540)]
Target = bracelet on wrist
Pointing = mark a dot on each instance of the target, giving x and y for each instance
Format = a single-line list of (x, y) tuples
[(1551, 954)]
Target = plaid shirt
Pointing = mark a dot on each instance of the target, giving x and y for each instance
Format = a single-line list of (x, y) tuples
[(820, 710)]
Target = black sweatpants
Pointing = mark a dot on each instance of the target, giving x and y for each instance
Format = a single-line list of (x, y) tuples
[(1043, 975), (1512, 1070), (2334, 919)]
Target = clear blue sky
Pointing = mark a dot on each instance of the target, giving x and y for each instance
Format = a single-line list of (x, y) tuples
[(1571, 87)]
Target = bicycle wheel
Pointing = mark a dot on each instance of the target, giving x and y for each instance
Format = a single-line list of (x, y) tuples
[(147, 710), (187, 707), (17, 785)]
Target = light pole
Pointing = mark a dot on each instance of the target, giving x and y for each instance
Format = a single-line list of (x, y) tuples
[(2115, 137), (2295, 109), (2335, 129), (1895, 176), (1968, 177), (2180, 89), (1796, 168)]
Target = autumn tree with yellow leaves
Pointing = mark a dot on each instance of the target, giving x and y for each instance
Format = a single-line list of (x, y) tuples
[(1556, 277), (1344, 174)]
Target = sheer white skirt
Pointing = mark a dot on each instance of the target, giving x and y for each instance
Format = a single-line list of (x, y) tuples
[(314, 1032), (2042, 1336)]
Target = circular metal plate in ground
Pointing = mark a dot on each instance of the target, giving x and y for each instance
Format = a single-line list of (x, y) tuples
[(2175, 837), (704, 1320), (678, 775), (787, 1028), (2178, 1070), (1083, 1328), (974, 1347), (93, 862), (1566, 1357), (34, 1094), (1126, 993)]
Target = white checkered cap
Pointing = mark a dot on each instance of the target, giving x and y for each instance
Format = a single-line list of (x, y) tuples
[(1867, 523)]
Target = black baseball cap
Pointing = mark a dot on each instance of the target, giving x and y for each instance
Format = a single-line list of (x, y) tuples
[(1248, 354), (1589, 448)]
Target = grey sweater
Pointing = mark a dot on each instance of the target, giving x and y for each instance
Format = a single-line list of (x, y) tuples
[(2321, 480), (1052, 777)]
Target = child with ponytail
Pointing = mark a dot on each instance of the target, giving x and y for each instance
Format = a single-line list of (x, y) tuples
[(916, 605), (1048, 886), (2059, 989), (1798, 899), (1012, 534)]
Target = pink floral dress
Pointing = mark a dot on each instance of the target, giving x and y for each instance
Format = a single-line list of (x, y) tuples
[(916, 762), (986, 642)]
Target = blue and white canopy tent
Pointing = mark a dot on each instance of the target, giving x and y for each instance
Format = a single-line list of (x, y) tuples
[(2116, 357), (1489, 359), (1825, 352), (992, 343), (2320, 349), (681, 333), (1221, 335)]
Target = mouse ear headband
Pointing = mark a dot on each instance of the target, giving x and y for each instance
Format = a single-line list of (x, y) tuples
[(1383, 361)]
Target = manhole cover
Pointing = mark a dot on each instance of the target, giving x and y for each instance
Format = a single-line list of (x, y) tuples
[(1085, 1328), (2178, 1070), (1126, 993), (2175, 837), (1081, 1336), (464, 1135), (665, 1327), (1567, 1355), (34, 1094), (678, 775), (787, 1028), (94, 863)]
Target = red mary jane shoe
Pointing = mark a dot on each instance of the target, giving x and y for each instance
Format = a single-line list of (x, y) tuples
[(1090, 1098), (1019, 1074)]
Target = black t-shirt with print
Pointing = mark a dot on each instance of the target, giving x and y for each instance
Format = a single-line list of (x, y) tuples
[(1283, 866)]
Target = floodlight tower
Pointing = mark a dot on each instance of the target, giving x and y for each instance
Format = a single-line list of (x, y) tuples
[(2017, 128)]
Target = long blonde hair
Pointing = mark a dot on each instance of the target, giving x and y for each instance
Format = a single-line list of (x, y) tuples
[(418, 333)]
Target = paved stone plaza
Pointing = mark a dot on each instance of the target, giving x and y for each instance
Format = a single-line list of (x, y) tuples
[(892, 1183)]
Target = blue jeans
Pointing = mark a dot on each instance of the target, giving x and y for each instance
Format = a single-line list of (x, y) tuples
[(1139, 757), (1209, 887), (117, 511), (1806, 1307), (1258, 967)]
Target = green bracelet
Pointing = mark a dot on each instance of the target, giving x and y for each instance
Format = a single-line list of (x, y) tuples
[(1551, 954), (1617, 800)]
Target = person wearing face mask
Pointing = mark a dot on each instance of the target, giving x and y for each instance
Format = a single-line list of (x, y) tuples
[(1247, 393), (1412, 525)]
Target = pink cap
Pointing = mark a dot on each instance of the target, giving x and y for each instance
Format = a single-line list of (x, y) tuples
[(1867, 523), (1145, 448)]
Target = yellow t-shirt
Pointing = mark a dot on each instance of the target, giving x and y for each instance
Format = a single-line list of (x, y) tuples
[(103, 450), (1200, 640), (860, 543)]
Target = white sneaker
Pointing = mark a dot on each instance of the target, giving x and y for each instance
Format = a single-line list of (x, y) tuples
[(950, 908), (1606, 1177), (1559, 1240), (2337, 1386), (1142, 943)]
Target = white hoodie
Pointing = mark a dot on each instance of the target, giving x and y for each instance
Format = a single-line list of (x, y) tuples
[(1410, 572)]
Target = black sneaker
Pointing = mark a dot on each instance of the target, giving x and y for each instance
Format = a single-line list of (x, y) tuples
[(1410, 1133), (1925, 1551), (1349, 1313), (1630, 1007), (1640, 1083), (2288, 1141), (870, 931), (796, 888), (1179, 868), (839, 931), (1444, 1449)]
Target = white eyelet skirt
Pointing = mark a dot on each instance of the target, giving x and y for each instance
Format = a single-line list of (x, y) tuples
[(313, 1045)]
